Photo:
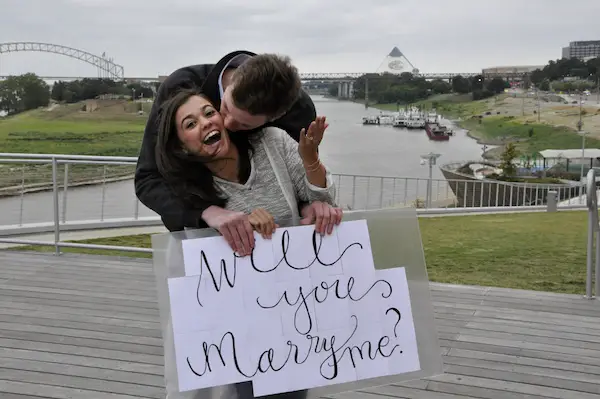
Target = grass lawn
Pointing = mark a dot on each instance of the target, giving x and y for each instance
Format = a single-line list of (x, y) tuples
[(113, 130), (70, 131), (493, 128), (536, 251)]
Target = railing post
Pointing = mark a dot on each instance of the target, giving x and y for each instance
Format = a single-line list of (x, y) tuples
[(597, 271), (551, 201), (55, 206), (21, 204), (593, 227), (589, 260), (65, 185), (103, 193)]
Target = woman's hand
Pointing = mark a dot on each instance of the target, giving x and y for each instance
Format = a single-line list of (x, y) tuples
[(309, 141), (263, 222), (323, 215)]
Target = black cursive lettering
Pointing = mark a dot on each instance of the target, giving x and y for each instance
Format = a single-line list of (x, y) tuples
[(269, 361), (320, 293), (222, 272)]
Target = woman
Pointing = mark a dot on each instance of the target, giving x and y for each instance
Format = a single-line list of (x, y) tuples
[(264, 173)]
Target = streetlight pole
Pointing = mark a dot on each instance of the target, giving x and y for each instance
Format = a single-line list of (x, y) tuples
[(582, 134), (537, 94), (431, 159)]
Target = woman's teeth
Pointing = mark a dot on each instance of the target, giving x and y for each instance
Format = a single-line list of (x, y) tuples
[(212, 137)]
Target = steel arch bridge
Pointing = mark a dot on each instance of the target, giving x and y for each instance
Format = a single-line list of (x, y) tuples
[(111, 69)]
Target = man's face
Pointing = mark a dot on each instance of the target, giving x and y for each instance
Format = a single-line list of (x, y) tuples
[(235, 118)]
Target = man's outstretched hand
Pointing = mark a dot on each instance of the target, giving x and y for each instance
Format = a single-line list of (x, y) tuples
[(323, 215), (234, 226)]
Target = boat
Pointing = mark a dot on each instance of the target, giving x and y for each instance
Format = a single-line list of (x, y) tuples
[(381, 119), (386, 119), (436, 132), (399, 121), (415, 123), (370, 120)]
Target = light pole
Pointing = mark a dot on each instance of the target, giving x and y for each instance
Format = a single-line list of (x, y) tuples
[(582, 134), (431, 159)]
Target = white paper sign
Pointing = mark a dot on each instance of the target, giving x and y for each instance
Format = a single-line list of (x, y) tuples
[(303, 311)]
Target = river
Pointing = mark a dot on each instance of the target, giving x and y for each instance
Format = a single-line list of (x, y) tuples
[(349, 147)]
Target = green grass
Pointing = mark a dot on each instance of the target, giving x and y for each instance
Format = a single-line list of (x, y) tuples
[(115, 129), (494, 128), (42, 132), (535, 251)]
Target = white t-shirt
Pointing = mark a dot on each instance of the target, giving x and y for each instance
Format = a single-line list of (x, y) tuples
[(233, 63)]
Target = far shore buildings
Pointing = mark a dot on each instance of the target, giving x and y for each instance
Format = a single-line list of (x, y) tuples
[(584, 50)]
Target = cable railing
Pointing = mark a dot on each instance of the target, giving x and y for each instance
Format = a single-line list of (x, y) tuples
[(45, 193)]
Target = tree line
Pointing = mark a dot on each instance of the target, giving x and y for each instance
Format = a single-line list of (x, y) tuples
[(407, 88), (567, 74), (560, 75), (392, 88), (28, 91)]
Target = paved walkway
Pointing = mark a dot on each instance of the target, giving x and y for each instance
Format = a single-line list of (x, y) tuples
[(80, 326)]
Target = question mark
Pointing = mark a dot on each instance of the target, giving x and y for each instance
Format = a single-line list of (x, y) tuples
[(399, 317)]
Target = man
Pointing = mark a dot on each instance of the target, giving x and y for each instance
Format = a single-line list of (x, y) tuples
[(251, 92)]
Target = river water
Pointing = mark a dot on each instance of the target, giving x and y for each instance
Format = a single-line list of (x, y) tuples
[(349, 147)]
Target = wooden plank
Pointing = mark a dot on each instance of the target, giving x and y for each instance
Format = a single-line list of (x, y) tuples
[(88, 384), (568, 363), (89, 372)]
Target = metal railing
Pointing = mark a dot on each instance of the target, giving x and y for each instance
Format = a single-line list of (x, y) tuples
[(593, 262), (42, 193)]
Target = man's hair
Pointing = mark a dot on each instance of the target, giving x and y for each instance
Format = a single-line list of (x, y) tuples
[(266, 84)]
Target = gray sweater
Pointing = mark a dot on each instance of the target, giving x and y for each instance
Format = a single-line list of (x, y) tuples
[(277, 179)]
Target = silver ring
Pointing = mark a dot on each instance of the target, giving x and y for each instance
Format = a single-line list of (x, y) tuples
[(310, 138)]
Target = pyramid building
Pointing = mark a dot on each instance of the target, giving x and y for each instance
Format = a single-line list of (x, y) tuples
[(395, 62)]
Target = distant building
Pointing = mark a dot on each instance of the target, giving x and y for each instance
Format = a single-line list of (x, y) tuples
[(508, 70), (395, 62), (583, 50)]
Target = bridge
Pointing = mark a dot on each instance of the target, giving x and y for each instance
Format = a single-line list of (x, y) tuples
[(107, 68)]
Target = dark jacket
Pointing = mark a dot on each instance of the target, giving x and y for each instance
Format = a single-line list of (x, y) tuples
[(151, 188)]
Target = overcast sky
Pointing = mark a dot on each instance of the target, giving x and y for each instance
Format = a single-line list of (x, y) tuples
[(152, 37)]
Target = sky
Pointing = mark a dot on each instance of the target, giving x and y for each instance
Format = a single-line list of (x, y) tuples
[(155, 37)]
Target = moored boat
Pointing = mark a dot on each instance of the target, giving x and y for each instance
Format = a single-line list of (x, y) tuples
[(436, 132)]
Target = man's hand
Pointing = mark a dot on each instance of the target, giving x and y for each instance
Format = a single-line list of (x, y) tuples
[(323, 215), (234, 226)]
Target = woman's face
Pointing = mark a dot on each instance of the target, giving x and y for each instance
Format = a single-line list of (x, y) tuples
[(200, 128)]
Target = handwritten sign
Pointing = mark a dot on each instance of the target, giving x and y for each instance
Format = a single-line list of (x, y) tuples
[(302, 311)]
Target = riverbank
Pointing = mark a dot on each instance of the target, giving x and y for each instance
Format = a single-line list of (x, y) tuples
[(532, 125)]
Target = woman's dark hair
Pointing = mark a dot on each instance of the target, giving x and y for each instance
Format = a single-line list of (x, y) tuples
[(187, 174)]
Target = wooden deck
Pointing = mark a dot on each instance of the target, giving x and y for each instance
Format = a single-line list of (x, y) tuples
[(76, 326)]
